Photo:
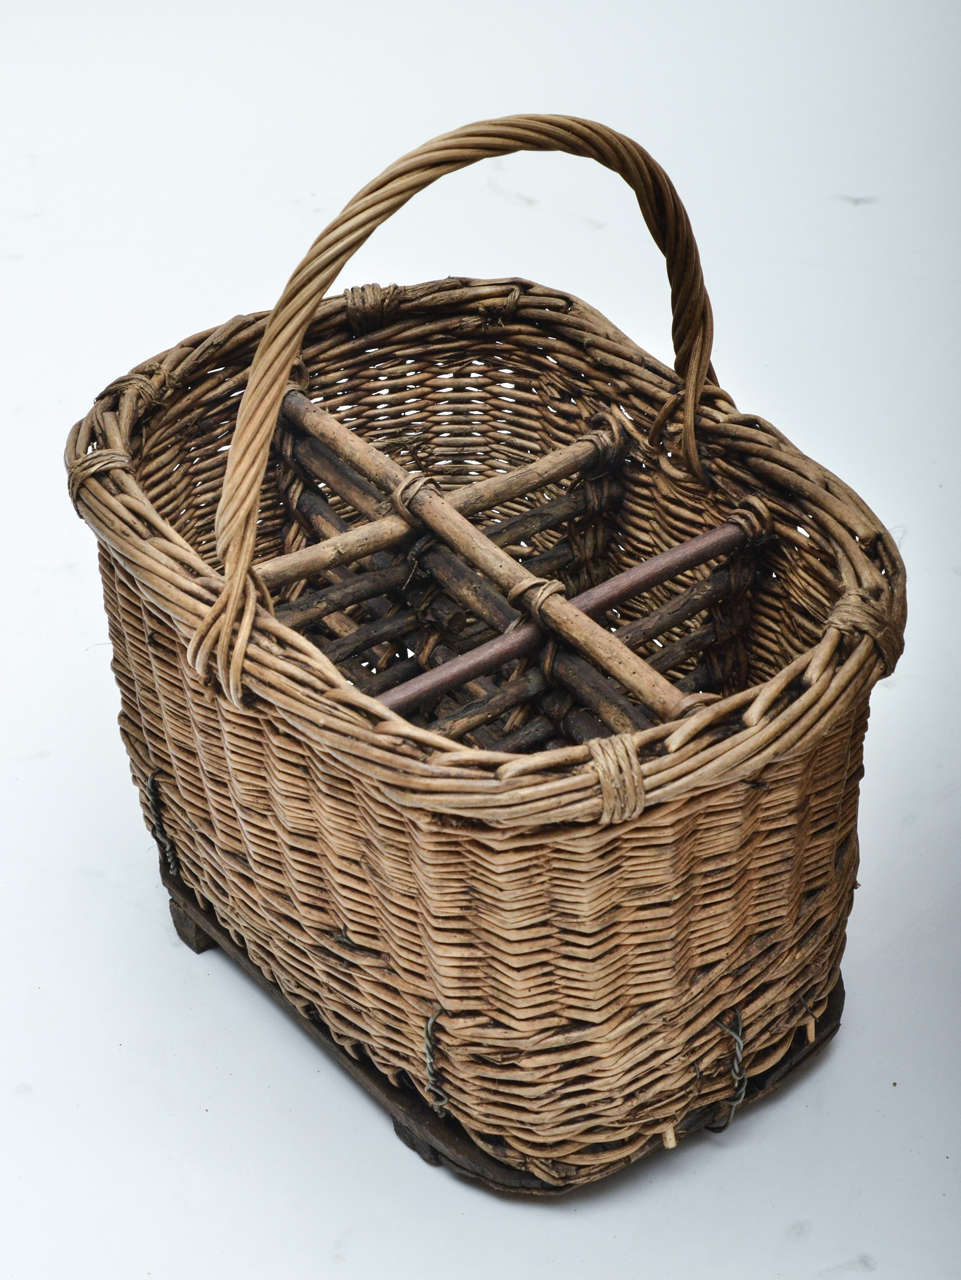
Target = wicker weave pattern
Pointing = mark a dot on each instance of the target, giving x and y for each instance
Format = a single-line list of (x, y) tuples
[(575, 927)]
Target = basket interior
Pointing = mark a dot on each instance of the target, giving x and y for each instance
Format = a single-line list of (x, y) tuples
[(460, 393)]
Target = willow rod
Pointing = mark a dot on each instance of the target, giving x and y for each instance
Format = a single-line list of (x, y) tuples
[(420, 502), (596, 691), (470, 500), (524, 639)]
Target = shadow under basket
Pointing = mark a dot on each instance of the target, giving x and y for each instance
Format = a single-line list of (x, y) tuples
[(496, 694)]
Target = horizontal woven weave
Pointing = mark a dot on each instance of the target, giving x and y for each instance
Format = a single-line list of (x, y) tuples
[(550, 946)]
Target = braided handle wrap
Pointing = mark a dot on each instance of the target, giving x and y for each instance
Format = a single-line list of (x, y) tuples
[(228, 624)]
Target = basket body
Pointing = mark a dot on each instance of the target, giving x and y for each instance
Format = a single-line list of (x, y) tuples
[(553, 967)]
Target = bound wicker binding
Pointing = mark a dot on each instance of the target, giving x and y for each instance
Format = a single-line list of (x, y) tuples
[(577, 953)]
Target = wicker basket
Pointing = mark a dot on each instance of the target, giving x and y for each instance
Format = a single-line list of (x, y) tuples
[(546, 955)]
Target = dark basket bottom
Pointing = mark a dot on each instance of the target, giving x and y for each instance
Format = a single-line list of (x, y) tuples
[(437, 1139)]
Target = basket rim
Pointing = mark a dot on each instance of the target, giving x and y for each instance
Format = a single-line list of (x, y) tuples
[(424, 770)]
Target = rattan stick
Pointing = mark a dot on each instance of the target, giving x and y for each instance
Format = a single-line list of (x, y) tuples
[(524, 639), (312, 606), (359, 588), (598, 694), (672, 655), (426, 504), (483, 710), (704, 594), (319, 462), (388, 624), (469, 500), (692, 602)]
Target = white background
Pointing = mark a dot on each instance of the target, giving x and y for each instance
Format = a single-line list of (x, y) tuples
[(163, 169)]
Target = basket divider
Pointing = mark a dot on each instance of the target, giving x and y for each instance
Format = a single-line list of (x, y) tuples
[(606, 705), (418, 500), (353, 638), (526, 638), (469, 500), (316, 462), (320, 518)]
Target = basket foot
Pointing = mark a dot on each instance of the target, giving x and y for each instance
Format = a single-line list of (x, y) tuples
[(411, 1139), (188, 931)]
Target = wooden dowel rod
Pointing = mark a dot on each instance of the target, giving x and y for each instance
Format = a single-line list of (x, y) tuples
[(482, 710), (314, 605), (358, 588), (721, 541), (319, 462), (396, 673), (474, 593), (574, 624), (523, 639), (389, 530), (687, 605)]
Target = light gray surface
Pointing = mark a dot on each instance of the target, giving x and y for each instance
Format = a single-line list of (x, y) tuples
[(165, 170)]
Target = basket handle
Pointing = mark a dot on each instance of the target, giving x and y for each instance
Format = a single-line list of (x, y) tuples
[(237, 512)]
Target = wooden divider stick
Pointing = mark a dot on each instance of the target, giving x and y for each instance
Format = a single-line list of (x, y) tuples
[(389, 530), (426, 504)]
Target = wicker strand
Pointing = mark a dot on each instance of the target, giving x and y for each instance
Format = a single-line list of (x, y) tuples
[(368, 306), (84, 468), (753, 516), (860, 612), (540, 589), (620, 777), (405, 492)]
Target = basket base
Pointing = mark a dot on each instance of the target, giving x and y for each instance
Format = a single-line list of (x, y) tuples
[(440, 1140)]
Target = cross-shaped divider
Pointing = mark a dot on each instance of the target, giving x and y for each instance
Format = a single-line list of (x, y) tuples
[(418, 502)]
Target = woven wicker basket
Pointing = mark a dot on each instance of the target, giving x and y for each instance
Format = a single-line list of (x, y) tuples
[(549, 961)]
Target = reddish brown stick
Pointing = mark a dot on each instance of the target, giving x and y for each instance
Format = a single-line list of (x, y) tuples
[(482, 495), (596, 691), (420, 502), (593, 602)]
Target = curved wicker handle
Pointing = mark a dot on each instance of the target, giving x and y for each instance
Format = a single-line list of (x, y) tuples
[(236, 521)]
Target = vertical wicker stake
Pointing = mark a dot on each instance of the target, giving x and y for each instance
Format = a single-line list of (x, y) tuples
[(608, 932)]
